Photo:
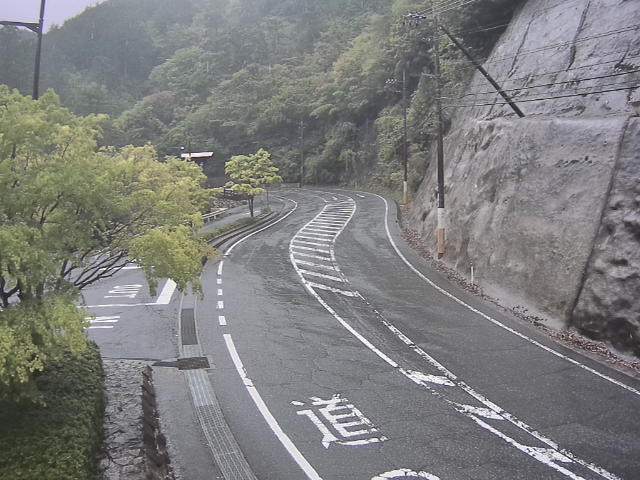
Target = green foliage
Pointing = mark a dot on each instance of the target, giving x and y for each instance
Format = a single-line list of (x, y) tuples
[(71, 215), (58, 437), (251, 173), (230, 75)]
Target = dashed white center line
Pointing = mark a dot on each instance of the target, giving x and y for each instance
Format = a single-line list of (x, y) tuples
[(219, 292), (221, 320), (219, 281), (220, 305)]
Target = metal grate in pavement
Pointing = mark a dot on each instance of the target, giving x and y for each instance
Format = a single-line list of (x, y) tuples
[(188, 327)]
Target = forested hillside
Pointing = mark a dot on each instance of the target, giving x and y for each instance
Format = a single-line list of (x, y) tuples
[(235, 75)]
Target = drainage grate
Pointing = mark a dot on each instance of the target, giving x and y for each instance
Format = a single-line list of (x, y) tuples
[(188, 327), (193, 363)]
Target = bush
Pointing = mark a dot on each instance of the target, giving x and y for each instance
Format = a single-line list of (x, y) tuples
[(59, 438)]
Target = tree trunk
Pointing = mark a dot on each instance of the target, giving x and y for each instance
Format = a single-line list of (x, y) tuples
[(251, 205)]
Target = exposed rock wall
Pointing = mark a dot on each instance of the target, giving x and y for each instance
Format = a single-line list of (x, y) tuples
[(546, 207), (608, 305)]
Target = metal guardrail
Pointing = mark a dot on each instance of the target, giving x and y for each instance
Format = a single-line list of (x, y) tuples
[(213, 215)]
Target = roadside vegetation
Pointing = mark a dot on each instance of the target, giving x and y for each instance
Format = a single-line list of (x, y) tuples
[(292, 76), (72, 214), (59, 437)]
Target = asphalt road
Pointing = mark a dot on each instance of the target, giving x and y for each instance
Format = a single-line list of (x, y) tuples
[(338, 354)]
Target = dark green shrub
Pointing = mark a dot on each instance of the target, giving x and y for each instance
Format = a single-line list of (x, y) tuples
[(59, 438)]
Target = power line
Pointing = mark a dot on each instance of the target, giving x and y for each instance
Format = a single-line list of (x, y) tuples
[(578, 80), (491, 60), (525, 99), (564, 70)]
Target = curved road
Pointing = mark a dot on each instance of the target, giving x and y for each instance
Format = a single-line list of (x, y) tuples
[(339, 354)]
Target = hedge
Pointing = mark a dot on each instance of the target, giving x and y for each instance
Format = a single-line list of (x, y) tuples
[(60, 439)]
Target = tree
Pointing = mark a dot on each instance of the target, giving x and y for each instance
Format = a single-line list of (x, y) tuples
[(251, 173), (70, 216)]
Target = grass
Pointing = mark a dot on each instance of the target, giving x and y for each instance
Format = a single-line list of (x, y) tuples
[(60, 439)]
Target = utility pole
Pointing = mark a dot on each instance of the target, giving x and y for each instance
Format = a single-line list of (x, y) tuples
[(301, 152), (38, 29), (405, 180), (36, 72), (441, 222)]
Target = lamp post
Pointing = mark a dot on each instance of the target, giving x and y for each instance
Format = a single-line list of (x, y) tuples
[(37, 28)]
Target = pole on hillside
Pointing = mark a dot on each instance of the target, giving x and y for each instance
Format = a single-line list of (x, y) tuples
[(36, 71), (405, 178), (301, 152), (441, 223)]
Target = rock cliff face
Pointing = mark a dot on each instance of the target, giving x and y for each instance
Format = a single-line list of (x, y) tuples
[(547, 207)]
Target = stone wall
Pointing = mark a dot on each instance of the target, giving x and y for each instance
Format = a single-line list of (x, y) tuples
[(546, 206)]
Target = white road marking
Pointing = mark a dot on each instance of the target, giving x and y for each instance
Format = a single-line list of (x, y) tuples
[(422, 379), (317, 233), (297, 456), (220, 305), (167, 292), (326, 241), (124, 291), (327, 223), (320, 286), (219, 292), (316, 265), (98, 327), (541, 454), (320, 275), (309, 255), (230, 249), (345, 420), (405, 473), (319, 250), (221, 320), (491, 319), (324, 228), (219, 281), (220, 267)]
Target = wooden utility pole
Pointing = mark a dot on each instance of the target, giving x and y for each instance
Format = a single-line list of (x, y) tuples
[(441, 222)]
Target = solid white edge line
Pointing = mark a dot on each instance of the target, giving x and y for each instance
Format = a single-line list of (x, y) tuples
[(491, 319), (167, 292), (297, 456), (230, 249)]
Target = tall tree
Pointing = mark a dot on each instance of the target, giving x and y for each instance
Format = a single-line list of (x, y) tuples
[(251, 174), (70, 216)]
